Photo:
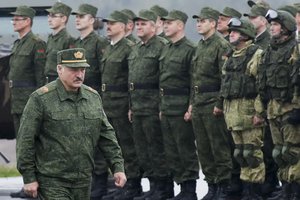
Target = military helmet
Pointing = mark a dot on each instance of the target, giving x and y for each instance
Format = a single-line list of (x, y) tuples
[(243, 26), (282, 17)]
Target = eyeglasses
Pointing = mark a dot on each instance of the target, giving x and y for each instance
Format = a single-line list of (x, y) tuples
[(234, 22), (54, 16), (271, 15), (18, 19)]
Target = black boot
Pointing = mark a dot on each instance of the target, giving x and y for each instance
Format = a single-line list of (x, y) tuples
[(164, 189), (246, 191), (132, 188), (285, 192), (255, 192), (296, 191), (148, 193), (212, 191), (222, 192), (20, 194), (99, 186), (188, 191), (112, 195), (235, 188)]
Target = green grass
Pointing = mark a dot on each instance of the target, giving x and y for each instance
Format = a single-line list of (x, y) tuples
[(8, 171)]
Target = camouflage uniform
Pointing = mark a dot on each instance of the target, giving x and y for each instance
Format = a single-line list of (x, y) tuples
[(59, 41), (59, 133), (27, 64), (210, 130)]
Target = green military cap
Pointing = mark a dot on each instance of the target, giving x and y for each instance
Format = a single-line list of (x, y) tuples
[(85, 9), (297, 6), (176, 14), (146, 15), (72, 58), (117, 16), (59, 7), (289, 8), (230, 12), (259, 3), (159, 11), (208, 13), (131, 15), (24, 11), (257, 10)]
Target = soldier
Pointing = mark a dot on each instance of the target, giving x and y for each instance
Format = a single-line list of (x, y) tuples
[(160, 12), (224, 18), (206, 107), (144, 94), (94, 46), (277, 89), (60, 39), (91, 42), (130, 25), (27, 64), (62, 124), (116, 100), (242, 113), (179, 139)]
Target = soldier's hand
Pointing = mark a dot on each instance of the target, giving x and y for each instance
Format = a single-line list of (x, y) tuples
[(31, 189), (120, 179), (217, 111), (130, 116), (257, 121), (188, 114)]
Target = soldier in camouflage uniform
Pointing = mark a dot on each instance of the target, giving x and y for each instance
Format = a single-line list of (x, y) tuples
[(224, 18), (116, 99), (62, 124), (60, 39), (160, 12), (27, 64), (174, 81), (206, 107), (242, 112), (130, 25), (144, 95), (278, 90), (94, 46)]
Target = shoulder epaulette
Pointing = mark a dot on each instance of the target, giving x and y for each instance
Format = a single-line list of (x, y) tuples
[(46, 88), (129, 42), (190, 43), (88, 88), (163, 40)]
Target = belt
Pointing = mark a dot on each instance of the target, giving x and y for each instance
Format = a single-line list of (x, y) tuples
[(174, 91), (142, 86), (114, 88), (50, 78), (206, 88), (22, 84)]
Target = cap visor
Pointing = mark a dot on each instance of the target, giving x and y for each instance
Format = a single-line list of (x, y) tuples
[(78, 13), (76, 65), (195, 16), (167, 18), (249, 15), (108, 20), (141, 18)]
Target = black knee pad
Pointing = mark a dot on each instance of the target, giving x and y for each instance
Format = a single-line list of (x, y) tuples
[(277, 155), (248, 154), (289, 156), (238, 155)]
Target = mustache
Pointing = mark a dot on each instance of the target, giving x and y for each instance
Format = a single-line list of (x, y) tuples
[(78, 79)]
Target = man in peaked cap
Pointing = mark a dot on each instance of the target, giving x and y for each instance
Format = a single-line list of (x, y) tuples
[(59, 39), (160, 12), (115, 96), (206, 107), (67, 111), (27, 64), (130, 25), (94, 46), (224, 18), (175, 78)]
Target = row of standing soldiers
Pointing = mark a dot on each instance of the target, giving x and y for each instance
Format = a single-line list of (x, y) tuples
[(174, 105)]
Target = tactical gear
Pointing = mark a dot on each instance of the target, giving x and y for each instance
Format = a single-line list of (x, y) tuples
[(294, 117), (211, 193), (243, 26), (248, 153), (288, 155), (282, 17), (238, 155), (277, 155), (236, 83)]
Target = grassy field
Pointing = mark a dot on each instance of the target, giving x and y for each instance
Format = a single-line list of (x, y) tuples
[(8, 171)]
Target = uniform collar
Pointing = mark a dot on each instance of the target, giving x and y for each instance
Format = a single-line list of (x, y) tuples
[(64, 95), (91, 34), (177, 43), (59, 34), (210, 39), (149, 42)]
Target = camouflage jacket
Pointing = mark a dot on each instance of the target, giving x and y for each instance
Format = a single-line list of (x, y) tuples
[(26, 73), (263, 40), (144, 76), (59, 133), (60, 41), (175, 66)]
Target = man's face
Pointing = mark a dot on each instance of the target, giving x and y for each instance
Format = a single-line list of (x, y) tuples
[(144, 29), (275, 29), (20, 23), (171, 27), (256, 21), (83, 22), (72, 78), (222, 23), (56, 21), (234, 36), (204, 26), (114, 28)]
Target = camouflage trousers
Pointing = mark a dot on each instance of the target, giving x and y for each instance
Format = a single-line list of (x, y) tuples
[(179, 143), (286, 153), (212, 144), (149, 144), (248, 151)]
